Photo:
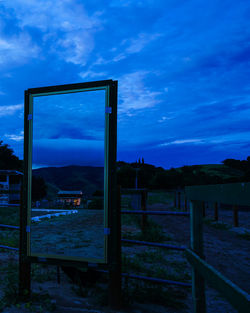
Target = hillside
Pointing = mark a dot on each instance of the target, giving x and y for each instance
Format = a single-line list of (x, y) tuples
[(89, 179), (220, 170), (85, 178)]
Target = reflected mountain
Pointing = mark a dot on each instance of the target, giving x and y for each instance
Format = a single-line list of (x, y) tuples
[(73, 177)]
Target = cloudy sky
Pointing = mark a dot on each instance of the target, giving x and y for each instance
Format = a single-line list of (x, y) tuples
[(183, 71)]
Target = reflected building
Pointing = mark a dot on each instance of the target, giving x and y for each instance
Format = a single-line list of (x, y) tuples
[(69, 198)]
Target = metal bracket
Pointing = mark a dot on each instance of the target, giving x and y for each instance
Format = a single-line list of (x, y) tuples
[(27, 229), (106, 231), (29, 117), (108, 110)]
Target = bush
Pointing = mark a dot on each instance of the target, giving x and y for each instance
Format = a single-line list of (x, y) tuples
[(96, 204)]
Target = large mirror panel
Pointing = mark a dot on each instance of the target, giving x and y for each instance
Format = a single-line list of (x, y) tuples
[(67, 211)]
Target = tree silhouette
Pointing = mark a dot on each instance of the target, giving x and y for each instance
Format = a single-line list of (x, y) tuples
[(8, 161), (39, 188)]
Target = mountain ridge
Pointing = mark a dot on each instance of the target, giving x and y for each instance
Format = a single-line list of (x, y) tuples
[(72, 177)]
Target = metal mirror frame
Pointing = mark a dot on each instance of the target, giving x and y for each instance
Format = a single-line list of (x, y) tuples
[(110, 188)]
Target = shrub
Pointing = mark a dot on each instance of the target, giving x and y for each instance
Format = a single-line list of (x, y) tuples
[(96, 204)]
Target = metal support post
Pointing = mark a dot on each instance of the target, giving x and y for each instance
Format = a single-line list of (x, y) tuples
[(198, 282)]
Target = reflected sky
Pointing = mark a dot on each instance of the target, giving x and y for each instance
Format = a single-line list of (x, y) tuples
[(69, 129)]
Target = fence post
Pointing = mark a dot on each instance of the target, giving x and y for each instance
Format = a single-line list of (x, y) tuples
[(143, 208), (179, 200), (236, 216), (203, 209), (175, 195), (216, 215), (24, 272), (186, 207), (115, 276), (198, 282)]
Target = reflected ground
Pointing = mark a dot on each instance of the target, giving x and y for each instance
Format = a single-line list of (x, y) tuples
[(76, 235)]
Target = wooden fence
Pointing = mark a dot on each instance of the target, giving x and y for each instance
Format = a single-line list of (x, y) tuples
[(181, 202), (144, 214), (233, 194)]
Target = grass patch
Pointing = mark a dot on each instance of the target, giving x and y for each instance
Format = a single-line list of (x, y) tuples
[(39, 302), (159, 197), (155, 264), (10, 285), (150, 263), (9, 215), (9, 238), (152, 233)]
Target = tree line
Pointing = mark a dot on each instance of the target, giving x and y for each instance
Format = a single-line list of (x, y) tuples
[(148, 176), (151, 177), (9, 161)]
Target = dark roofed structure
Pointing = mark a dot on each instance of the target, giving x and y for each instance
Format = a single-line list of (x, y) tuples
[(70, 197)]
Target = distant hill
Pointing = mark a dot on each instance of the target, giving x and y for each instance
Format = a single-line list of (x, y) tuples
[(85, 178), (153, 177), (89, 179), (221, 170)]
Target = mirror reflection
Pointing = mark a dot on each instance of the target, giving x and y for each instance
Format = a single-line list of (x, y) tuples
[(67, 214)]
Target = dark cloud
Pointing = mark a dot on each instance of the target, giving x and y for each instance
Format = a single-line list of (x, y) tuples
[(71, 132), (67, 155)]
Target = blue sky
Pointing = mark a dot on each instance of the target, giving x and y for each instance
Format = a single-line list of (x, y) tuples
[(183, 69)]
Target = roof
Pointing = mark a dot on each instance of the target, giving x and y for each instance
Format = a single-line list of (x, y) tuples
[(72, 192), (10, 172)]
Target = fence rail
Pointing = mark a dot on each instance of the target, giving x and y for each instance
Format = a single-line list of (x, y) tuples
[(235, 295), (9, 226), (9, 248), (221, 196), (144, 214), (235, 194), (155, 212)]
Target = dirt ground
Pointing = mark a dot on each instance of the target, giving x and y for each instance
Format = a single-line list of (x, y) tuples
[(224, 249), (80, 234)]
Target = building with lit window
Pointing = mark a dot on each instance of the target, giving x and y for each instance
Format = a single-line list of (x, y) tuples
[(69, 198)]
